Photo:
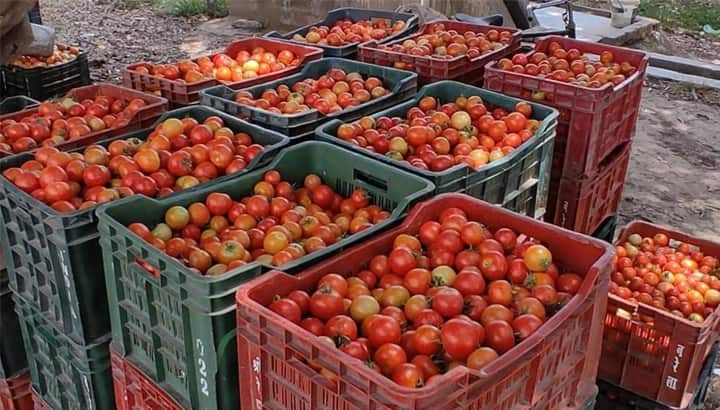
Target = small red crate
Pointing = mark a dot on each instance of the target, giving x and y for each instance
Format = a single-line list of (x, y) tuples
[(134, 390), (555, 368), (430, 68), (15, 393), (143, 118), (183, 93), (582, 204), (593, 121), (651, 352)]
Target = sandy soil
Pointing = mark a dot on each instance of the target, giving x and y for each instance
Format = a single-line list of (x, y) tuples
[(674, 176)]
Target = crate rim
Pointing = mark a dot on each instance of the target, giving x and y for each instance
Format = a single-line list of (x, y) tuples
[(102, 213), (546, 123), (607, 88), (78, 212), (410, 22), (373, 44), (633, 307), (520, 349), (409, 76), (130, 67)]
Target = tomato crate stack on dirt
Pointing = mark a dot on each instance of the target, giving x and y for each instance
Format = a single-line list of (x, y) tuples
[(337, 37), (382, 88), (15, 393), (135, 390), (65, 374), (42, 82), (53, 255), (466, 62), (181, 83), (598, 116), (650, 351), (135, 110), (176, 324), (518, 181), (284, 365)]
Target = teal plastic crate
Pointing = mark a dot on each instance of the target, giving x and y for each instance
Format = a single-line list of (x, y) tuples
[(353, 14), (12, 351), (179, 328), (519, 181), (54, 259), (65, 375), (402, 85)]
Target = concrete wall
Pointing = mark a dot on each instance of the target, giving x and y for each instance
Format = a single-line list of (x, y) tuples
[(288, 14)]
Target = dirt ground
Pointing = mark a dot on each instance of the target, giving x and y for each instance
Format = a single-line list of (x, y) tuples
[(674, 176)]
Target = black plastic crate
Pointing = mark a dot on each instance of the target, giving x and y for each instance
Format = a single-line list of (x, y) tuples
[(12, 351), (606, 231), (17, 103), (43, 83)]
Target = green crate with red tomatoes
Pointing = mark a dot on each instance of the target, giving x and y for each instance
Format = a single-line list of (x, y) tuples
[(662, 320), (172, 269), (463, 139), (464, 305), (49, 199)]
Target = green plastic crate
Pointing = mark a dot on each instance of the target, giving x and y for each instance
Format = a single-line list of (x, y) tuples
[(179, 328), (402, 85), (12, 351), (519, 181), (65, 375), (54, 259)]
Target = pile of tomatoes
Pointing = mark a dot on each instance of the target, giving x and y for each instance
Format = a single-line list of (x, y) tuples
[(332, 92), (57, 122), (244, 65), (61, 54), (177, 155), (674, 277), (274, 225), (570, 66), (454, 295), (345, 32), (437, 137), (442, 43)]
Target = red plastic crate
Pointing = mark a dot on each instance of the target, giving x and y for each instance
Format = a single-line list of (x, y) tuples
[(143, 118), (554, 368), (38, 403), (134, 390), (655, 354), (431, 68), (184, 93), (15, 393), (593, 121), (582, 204)]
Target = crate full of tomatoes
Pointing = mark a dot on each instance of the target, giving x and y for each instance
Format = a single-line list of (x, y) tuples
[(83, 116), (182, 258), (463, 139), (597, 89), (46, 77), (464, 305), (243, 63), (344, 29), (662, 320), (49, 198), (331, 88), (445, 50)]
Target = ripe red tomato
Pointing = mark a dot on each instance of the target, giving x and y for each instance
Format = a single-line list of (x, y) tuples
[(326, 303), (460, 337), (499, 335), (448, 302), (381, 329), (288, 309), (341, 327)]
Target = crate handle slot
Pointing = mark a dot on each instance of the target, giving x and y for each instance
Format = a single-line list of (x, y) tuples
[(155, 272), (371, 180), (313, 375)]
